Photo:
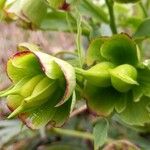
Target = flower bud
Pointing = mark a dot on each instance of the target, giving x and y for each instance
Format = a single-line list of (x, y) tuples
[(98, 75), (123, 77)]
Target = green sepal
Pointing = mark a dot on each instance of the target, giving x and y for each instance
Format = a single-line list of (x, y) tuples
[(103, 101), (124, 77), (23, 64), (144, 81), (120, 49), (93, 53), (138, 92), (48, 113), (136, 113)]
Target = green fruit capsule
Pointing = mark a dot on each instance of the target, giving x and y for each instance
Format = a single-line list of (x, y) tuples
[(98, 75), (123, 77), (29, 86), (41, 93), (24, 87), (127, 1)]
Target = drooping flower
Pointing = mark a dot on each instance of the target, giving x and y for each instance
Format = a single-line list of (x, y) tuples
[(42, 88), (128, 91)]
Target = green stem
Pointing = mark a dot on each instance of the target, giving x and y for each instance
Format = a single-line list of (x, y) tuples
[(73, 133), (110, 5), (65, 52), (143, 9), (78, 39)]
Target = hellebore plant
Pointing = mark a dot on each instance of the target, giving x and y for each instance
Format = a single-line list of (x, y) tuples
[(42, 88), (119, 81)]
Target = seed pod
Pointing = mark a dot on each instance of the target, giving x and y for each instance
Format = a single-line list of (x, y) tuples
[(123, 77), (98, 75), (127, 1), (40, 94)]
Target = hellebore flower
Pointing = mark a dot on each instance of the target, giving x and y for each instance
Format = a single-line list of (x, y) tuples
[(119, 82), (42, 90), (48, 18)]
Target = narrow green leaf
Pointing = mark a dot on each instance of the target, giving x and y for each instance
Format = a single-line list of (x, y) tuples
[(100, 133)]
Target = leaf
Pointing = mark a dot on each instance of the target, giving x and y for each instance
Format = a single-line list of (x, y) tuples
[(100, 133), (120, 49), (103, 101), (143, 30), (9, 130), (136, 113), (93, 52)]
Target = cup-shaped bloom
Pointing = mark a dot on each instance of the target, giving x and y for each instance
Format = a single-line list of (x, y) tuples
[(43, 86), (128, 91)]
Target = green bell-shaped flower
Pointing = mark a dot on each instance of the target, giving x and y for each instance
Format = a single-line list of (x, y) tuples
[(123, 77), (98, 75), (128, 93), (42, 87)]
